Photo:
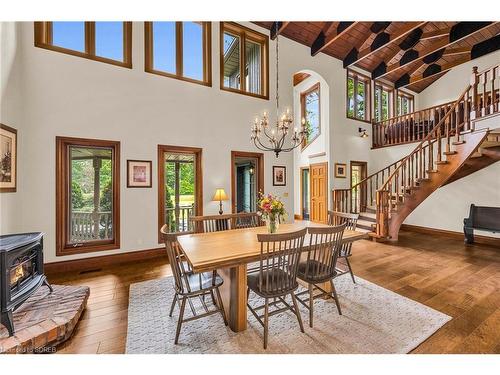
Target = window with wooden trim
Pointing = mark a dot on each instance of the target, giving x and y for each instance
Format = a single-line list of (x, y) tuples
[(358, 96), (310, 113), (404, 103), (87, 195), (180, 50), (109, 42), (244, 50), (383, 102)]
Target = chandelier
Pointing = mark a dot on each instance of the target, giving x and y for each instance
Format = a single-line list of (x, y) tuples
[(273, 138)]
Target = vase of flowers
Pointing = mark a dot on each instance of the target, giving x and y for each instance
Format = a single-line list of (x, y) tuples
[(272, 211)]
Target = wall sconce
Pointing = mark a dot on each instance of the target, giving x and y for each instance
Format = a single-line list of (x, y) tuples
[(362, 133)]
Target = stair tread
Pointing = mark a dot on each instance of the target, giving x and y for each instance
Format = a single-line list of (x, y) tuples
[(369, 215)]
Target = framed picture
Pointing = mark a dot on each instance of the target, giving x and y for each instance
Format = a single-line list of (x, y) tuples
[(340, 170), (139, 173), (279, 175), (8, 159)]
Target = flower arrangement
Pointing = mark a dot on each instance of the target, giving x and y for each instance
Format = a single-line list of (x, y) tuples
[(272, 210)]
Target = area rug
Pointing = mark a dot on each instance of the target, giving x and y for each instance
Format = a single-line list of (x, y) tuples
[(374, 320)]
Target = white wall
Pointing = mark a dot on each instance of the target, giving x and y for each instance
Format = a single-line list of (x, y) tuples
[(49, 94), (11, 114), (320, 145), (447, 206)]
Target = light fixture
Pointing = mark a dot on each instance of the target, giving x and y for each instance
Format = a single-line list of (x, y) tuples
[(362, 133), (276, 135), (219, 196)]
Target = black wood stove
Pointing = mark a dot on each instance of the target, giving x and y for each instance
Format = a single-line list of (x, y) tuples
[(21, 267)]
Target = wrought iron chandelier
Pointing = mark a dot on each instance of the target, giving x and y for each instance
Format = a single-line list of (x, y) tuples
[(274, 138)]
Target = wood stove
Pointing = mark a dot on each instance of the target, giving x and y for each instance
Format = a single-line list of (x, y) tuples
[(21, 267)]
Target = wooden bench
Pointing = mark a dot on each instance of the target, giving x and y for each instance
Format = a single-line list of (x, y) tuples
[(481, 218)]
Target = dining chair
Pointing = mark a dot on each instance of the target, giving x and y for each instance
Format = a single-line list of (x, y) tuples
[(189, 285), (338, 218), (246, 220), (277, 276), (319, 266), (211, 223)]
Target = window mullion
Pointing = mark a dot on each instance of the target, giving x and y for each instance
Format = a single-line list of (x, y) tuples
[(242, 61), (90, 38), (178, 49), (355, 80)]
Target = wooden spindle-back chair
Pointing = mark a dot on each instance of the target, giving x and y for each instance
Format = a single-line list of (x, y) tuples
[(189, 284), (320, 264), (337, 218), (277, 276)]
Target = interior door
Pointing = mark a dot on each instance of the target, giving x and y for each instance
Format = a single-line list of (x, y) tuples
[(319, 187), (359, 193)]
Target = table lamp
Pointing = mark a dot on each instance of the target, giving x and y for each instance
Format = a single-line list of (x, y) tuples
[(219, 196)]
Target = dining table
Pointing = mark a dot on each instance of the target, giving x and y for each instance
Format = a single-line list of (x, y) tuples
[(229, 252)]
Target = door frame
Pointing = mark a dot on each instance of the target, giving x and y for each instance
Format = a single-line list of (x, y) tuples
[(301, 169), (326, 187), (260, 177), (162, 149), (364, 194)]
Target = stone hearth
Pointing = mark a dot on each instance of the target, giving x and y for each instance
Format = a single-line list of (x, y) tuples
[(45, 320)]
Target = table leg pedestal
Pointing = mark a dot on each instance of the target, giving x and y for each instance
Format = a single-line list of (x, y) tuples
[(234, 296)]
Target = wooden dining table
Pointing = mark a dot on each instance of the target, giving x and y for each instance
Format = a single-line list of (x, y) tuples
[(229, 252)]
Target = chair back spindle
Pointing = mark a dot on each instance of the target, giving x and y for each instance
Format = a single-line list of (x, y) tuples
[(279, 259)]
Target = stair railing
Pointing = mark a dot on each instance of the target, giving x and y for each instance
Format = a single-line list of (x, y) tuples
[(346, 200), (408, 128), (415, 126), (479, 99)]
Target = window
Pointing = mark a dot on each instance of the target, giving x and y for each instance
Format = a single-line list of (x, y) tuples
[(109, 42), (383, 100), (180, 187), (310, 113), (179, 50), (404, 103), (87, 195), (244, 50), (358, 96)]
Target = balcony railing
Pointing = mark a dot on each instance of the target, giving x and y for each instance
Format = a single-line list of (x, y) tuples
[(87, 226), (178, 218)]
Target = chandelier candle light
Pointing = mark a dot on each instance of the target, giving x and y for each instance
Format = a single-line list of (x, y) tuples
[(276, 135)]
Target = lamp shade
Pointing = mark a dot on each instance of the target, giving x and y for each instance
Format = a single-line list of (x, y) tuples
[(220, 195)]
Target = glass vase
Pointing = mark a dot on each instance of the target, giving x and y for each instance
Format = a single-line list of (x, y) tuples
[(272, 224)]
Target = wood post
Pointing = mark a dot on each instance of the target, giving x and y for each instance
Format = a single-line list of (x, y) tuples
[(382, 213), (474, 81)]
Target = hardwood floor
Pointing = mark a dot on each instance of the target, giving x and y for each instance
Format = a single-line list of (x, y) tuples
[(463, 282)]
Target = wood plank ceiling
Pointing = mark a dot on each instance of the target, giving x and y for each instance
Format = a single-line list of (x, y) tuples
[(409, 55)]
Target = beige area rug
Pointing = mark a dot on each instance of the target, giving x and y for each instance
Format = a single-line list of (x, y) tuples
[(374, 320)]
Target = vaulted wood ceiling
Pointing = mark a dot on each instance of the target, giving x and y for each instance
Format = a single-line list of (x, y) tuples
[(411, 55)]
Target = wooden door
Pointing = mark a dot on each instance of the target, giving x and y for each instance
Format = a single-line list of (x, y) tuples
[(359, 193), (319, 195)]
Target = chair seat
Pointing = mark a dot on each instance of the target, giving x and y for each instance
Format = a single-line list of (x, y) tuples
[(199, 282), (312, 276), (276, 277)]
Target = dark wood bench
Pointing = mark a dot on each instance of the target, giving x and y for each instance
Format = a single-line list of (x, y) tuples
[(481, 218)]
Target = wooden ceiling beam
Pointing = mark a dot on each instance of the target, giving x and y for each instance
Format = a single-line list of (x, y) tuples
[(479, 49), (436, 33), (382, 40), (326, 37), (277, 28), (458, 32), (431, 71), (456, 51)]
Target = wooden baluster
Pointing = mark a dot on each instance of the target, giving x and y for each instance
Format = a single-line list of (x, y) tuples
[(474, 83), (484, 80)]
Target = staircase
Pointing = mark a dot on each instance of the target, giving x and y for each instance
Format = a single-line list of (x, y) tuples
[(452, 149)]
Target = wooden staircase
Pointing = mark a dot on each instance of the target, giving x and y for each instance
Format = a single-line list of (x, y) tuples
[(451, 150)]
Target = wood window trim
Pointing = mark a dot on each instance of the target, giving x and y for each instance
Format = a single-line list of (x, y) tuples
[(245, 33), (43, 39), (162, 150), (302, 169), (303, 95), (260, 165), (350, 72), (207, 54), (404, 94), (62, 196), (391, 102)]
